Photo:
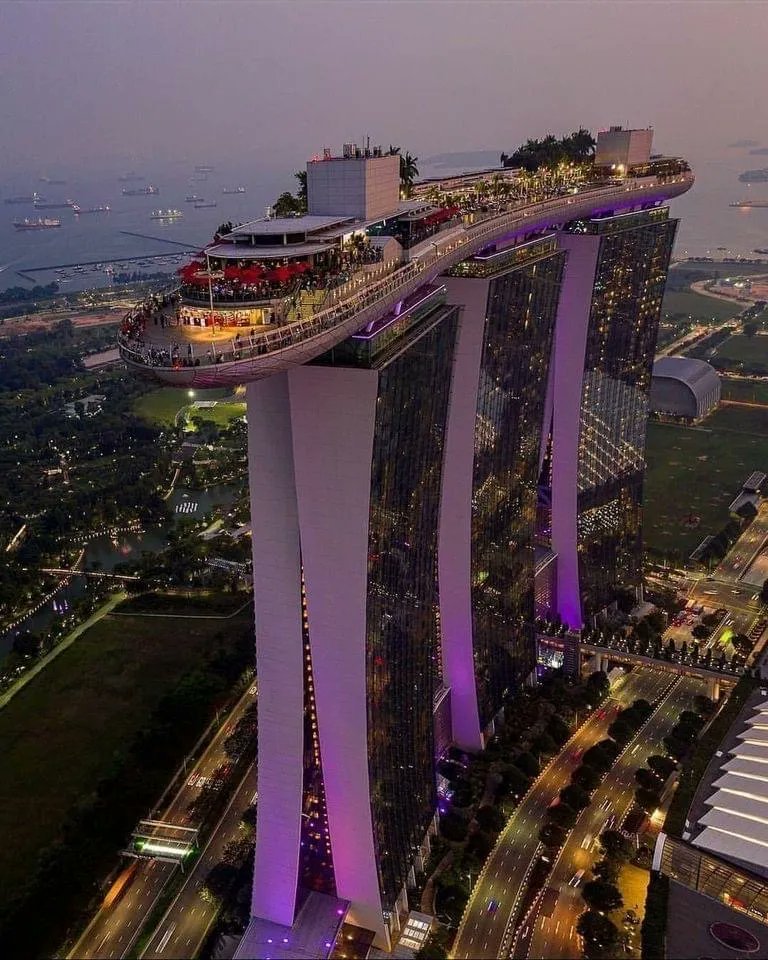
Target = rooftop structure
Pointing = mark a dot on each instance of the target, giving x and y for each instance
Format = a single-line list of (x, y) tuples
[(361, 184), (736, 824), (620, 149), (684, 387)]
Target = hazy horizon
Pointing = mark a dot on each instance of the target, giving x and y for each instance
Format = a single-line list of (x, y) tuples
[(269, 84)]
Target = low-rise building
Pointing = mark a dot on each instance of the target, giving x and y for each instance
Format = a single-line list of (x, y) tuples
[(685, 388)]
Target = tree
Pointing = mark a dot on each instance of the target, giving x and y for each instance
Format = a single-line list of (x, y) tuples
[(663, 767), (741, 643), (552, 835), (558, 729), (545, 744), (563, 815), (490, 819), (598, 758), (514, 781), (647, 779), (286, 205), (528, 764), (647, 799), (574, 796), (621, 730), (586, 777), (600, 895), (600, 935), (219, 882), (453, 827), (700, 632), (301, 193), (408, 173), (615, 845), (598, 683), (607, 869)]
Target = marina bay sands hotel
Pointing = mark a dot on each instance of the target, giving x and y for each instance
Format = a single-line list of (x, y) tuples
[(440, 391)]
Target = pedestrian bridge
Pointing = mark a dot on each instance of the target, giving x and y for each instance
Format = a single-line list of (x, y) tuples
[(157, 840)]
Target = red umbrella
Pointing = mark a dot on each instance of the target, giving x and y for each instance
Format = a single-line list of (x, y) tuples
[(232, 272), (280, 274), (253, 273)]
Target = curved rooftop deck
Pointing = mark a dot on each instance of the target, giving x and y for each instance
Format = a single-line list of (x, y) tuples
[(211, 357)]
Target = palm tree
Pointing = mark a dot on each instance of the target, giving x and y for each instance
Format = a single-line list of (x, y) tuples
[(301, 193), (408, 173)]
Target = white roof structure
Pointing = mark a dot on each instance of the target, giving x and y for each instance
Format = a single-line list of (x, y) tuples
[(736, 825)]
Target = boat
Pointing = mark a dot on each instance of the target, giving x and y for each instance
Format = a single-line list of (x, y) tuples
[(41, 223), (54, 204), (28, 199), (54, 183), (79, 210), (761, 250), (149, 191), (166, 215), (202, 168), (754, 176), (234, 190), (749, 203), (129, 178), (192, 198), (201, 204)]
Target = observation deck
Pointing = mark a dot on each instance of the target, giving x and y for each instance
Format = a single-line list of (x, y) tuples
[(295, 329)]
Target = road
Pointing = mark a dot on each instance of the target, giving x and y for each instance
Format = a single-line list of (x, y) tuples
[(112, 931), (185, 925), (551, 929), (505, 874)]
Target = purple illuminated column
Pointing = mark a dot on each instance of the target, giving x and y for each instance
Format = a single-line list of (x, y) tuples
[(333, 422), (455, 533), (279, 649), (566, 386)]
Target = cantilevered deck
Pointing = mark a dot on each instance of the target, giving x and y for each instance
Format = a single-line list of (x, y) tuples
[(213, 357)]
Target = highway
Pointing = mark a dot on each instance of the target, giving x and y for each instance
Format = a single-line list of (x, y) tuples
[(550, 931), (113, 930), (186, 923), (505, 874)]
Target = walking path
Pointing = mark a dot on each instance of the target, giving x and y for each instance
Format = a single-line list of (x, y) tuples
[(60, 647)]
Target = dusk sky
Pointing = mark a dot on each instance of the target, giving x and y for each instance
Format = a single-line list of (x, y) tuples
[(82, 82)]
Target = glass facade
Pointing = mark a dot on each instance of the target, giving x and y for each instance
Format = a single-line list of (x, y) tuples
[(520, 316), (402, 633), (631, 272)]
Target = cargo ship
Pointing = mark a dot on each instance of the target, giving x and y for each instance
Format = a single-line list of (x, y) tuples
[(203, 168), (79, 210), (166, 215), (54, 204), (40, 224), (129, 178), (233, 190), (749, 203), (149, 191), (201, 204), (754, 176), (53, 183), (192, 198)]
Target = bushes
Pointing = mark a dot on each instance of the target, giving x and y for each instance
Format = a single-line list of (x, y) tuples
[(600, 935), (653, 930), (602, 895)]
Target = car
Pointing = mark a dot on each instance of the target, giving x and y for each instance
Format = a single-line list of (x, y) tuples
[(576, 755), (493, 906), (576, 878)]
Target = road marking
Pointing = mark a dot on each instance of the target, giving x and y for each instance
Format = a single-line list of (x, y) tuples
[(106, 937), (166, 937)]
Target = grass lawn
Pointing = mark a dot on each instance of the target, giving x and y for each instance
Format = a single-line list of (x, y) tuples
[(750, 391), (222, 413), (65, 730), (213, 604), (161, 406), (698, 306), (698, 471), (752, 351)]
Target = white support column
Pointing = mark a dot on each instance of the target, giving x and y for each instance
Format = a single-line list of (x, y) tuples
[(279, 648), (570, 344), (334, 416), (455, 533)]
